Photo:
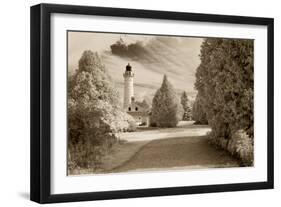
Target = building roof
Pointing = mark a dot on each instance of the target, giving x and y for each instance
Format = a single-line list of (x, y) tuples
[(138, 113), (140, 108)]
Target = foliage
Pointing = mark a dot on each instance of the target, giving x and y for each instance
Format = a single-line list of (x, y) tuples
[(94, 113), (186, 107), (166, 108), (224, 81), (198, 113), (240, 145), (145, 104)]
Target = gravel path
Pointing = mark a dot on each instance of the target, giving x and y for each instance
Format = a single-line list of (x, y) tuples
[(189, 152), (148, 149)]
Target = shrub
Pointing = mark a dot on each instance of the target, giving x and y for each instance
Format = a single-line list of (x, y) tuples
[(242, 146), (239, 145), (132, 125)]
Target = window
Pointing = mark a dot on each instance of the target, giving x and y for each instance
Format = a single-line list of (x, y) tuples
[(129, 108), (136, 108)]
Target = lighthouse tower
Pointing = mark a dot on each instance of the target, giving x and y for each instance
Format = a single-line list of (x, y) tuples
[(128, 86)]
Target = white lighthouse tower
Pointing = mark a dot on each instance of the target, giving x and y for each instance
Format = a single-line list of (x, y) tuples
[(128, 86)]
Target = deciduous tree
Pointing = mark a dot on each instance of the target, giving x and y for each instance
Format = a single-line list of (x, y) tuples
[(94, 113)]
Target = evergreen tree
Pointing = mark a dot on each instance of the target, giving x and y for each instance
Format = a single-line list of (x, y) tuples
[(145, 105), (186, 107), (198, 112), (225, 82), (166, 108)]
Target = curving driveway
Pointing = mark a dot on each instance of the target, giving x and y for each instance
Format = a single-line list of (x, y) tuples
[(185, 146)]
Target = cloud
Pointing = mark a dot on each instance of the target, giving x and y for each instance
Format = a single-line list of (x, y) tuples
[(177, 57), (150, 56), (174, 56)]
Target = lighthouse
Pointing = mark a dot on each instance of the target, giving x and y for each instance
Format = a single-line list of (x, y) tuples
[(128, 86)]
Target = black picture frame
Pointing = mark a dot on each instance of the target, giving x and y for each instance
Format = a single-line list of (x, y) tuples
[(41, 98)]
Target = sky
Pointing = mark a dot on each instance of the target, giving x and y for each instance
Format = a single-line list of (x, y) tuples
[(150, 56)]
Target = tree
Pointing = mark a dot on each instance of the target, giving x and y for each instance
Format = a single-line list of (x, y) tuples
[(198, 113), (186, 107), (145, 104), (225, 82), (94, 113), (166, 108)]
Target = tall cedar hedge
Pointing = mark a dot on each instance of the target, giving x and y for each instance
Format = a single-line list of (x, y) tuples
[(225, 85)]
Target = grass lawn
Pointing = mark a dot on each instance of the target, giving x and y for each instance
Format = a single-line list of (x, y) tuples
[(185, 146)]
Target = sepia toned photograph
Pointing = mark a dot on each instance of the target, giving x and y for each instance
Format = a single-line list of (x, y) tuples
[(142, 103)]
